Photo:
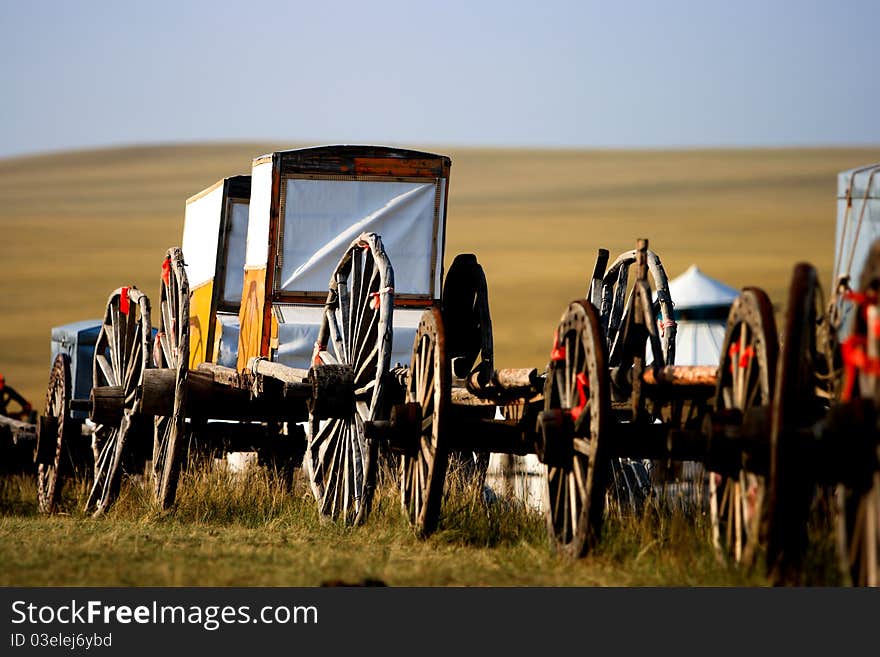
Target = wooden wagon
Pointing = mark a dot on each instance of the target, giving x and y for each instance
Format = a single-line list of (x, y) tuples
[(251, 345)]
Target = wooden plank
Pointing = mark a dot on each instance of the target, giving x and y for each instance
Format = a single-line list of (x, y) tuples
[(18, 430), (277, 371), (682, 375)]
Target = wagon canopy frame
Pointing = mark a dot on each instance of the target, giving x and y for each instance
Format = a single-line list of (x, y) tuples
[(408, 174), (308, 204)]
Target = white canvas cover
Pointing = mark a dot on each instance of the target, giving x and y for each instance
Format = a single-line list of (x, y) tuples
[(237, 218), (322, 217), (298, 327), (858, 223), (201, 230), (257, 252)]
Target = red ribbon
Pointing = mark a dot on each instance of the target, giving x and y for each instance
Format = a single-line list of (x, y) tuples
[(861, 298), (166, 271), (854, 349), (732, 352), (747, 354), (558, 352), (855, 360), (316, 359), (581, 385), (123, 301)]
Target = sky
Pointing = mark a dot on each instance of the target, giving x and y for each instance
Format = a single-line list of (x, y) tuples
[(638, 74)]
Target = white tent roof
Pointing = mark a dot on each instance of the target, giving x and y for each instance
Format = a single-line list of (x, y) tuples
[(694, 289)]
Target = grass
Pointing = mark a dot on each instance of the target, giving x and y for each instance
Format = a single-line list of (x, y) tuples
[(255, 531)]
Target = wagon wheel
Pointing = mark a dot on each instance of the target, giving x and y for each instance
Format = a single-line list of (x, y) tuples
[(746, 378), (795, 405), (121, 356), (171, 351), (465, 308), (615, 284), (51, 470), (422, 474), (340, 459), (858, 500), (469, 342), (577, 384)]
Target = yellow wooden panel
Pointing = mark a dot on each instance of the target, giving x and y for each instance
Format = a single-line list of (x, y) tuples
[(253, 303), (200, 321), (218, 334)]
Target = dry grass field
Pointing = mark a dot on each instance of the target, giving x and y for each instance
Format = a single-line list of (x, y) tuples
[(227, 531), (74, 226)]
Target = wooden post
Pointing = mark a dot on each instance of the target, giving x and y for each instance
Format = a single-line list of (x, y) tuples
[(594, 289), (639, 317), (277, 371)]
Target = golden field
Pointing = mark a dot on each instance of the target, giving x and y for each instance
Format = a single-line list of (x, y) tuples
[(76, 225)]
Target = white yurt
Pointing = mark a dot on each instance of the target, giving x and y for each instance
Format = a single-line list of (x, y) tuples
[(701, 307)]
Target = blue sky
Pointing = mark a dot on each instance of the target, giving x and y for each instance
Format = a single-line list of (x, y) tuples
[(561, 74)]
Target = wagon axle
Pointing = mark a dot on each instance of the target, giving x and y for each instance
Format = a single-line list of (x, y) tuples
[(554, 438)]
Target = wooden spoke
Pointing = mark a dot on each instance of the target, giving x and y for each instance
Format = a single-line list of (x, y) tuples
[(120, 360), (168, 431), (577, 384), (106, 370), (423, 472), (745, 380), (52, 470), (340, 460)]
